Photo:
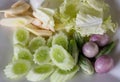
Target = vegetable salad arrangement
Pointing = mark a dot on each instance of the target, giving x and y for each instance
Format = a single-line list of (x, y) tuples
[(61, 41)]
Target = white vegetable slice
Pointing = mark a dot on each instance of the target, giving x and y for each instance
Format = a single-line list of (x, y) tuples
[(16, 21), (35, 43), (37, 23), (61, 58), (40, 72), (60, 39), (63, 76), (41, 55), (45, 18), (38, 32), (7, 15), (21, 36), (22, 53), (17, 69)]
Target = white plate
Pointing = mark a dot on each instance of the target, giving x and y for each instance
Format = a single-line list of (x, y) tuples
[(6, 50)]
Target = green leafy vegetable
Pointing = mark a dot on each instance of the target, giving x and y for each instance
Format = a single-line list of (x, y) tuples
[(108, 25), (66, 14), (84, 15), (87, 24)]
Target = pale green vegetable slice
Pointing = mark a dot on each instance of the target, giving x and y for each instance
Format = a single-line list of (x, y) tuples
[(21, 52), (61, 58), (17, 69), (40, 72), (60, 39), (35, 43), (41, 55), (63, 76), (21, 36)]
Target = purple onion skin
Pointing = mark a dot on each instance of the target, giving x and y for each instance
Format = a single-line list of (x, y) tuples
[(90, 49), (104, 64), (101, 40)]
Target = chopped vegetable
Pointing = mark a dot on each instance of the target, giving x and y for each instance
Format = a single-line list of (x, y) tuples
[(38, 32), (21, 36), (7, 15), (35, 43), (37, 23), (86, 66), (66, 14), (40, 72), (46, 18), (52, 37), (87, 24), (41, 55), (17, 69), (63, 76), (61, 58), (20, 21), (60, 39), (22, 53)]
